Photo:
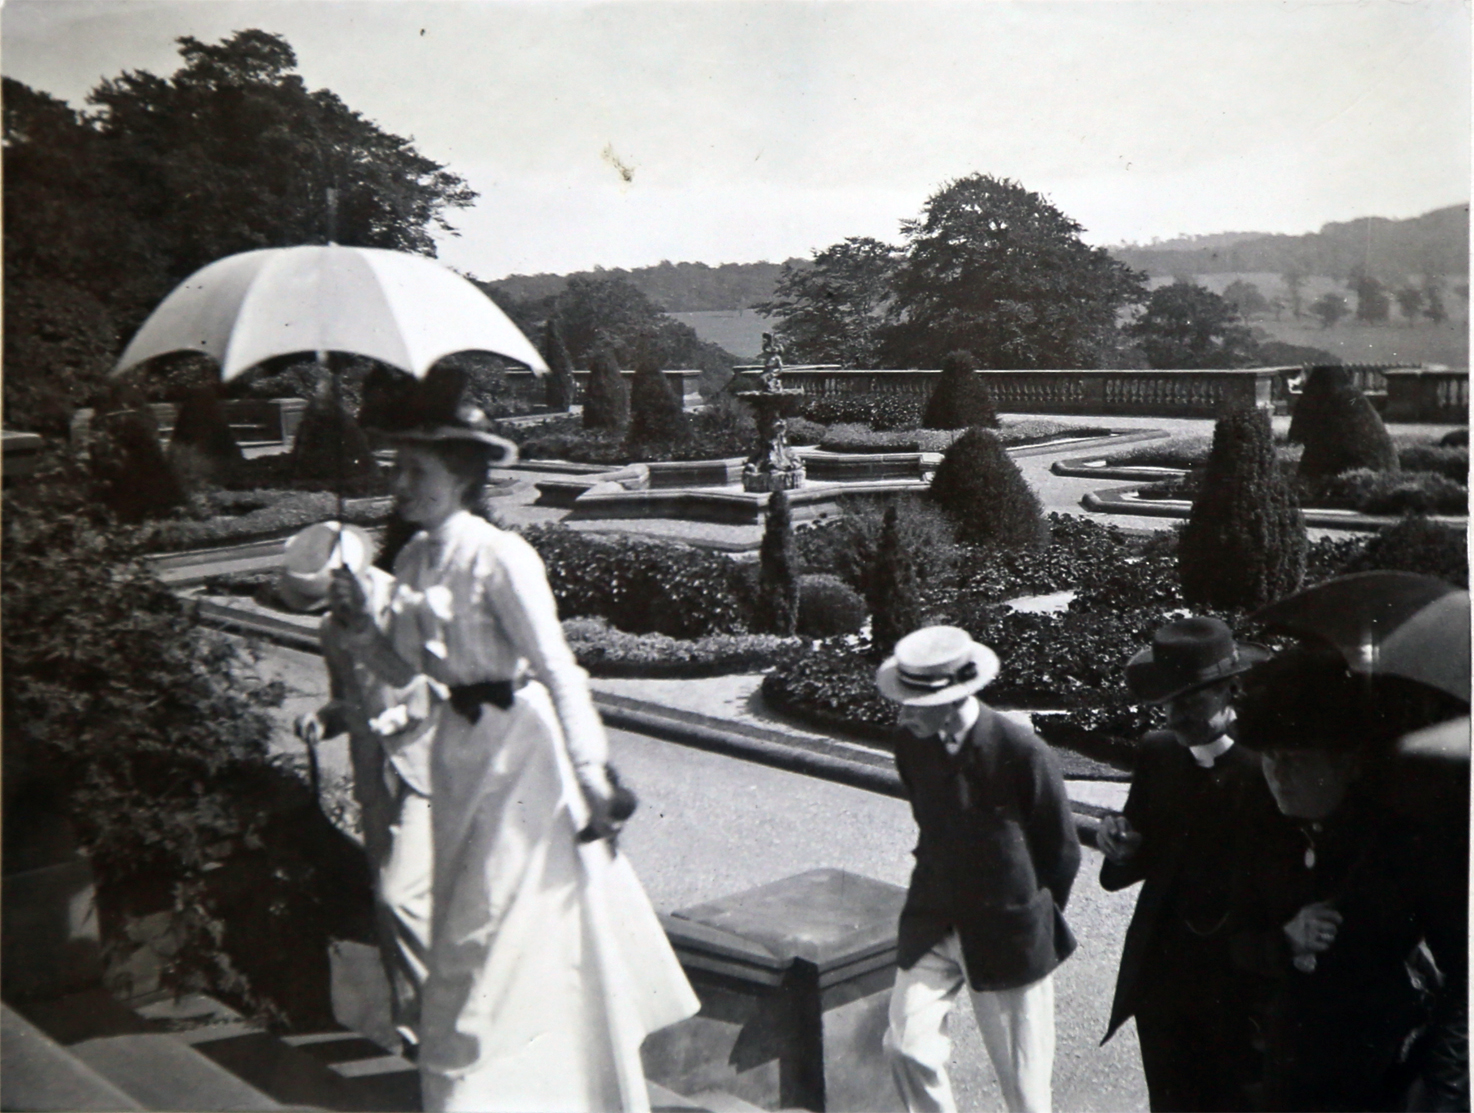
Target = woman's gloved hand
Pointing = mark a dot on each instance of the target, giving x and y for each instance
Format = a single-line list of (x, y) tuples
[(610, 802)]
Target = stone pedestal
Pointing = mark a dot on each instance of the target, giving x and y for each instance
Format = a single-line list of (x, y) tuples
[(774, 466), (794, 979)]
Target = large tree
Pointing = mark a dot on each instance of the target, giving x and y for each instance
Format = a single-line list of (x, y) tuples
[(611, 312), (1189, 326), (831, 310), (997, 270), (105, 212)]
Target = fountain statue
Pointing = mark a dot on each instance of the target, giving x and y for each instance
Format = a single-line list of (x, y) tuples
[(773, 466)]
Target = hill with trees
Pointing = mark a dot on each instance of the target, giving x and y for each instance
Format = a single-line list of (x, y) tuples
[(674, 287)]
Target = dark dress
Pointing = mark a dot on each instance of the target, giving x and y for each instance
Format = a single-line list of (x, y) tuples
[(1345, 1034), (1176, 975)]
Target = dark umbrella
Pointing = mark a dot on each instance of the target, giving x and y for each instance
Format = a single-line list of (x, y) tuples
[(1385, 624)]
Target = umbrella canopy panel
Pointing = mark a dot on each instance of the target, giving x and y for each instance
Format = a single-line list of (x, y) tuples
[(404, 310), (1432, 646)]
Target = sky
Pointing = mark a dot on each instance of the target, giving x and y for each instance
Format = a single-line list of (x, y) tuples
[(619, 133)]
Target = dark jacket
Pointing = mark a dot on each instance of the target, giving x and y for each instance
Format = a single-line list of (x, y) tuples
[(1191, 821), (1336, 1035), (997, 853)]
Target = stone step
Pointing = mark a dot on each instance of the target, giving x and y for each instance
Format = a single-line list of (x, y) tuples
[(159, 1072), (36, 1072)]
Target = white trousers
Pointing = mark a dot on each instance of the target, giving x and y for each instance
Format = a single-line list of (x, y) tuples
[(1017, 1027)]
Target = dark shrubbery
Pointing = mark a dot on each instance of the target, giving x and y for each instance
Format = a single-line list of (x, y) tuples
[(777, 585), (1417, 545), (891, 590), (986, 494), (828, 607), (560, 386), (848, 437), (606, 651), (656, 416), (330, 447), (202, 446), (802, 431), (640, 586), (249, 515), (1244, 544), (1458, 438), (133, 477), (961, 397), (879, 411), (1447, 460), (606, 402), (1315, 393), (1380, 492), (847, 545), (1341, 431)]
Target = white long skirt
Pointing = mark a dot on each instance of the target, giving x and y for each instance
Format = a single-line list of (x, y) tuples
[(548, 967)]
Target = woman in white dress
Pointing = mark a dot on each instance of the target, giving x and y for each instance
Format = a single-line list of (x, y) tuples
[(548, 966)]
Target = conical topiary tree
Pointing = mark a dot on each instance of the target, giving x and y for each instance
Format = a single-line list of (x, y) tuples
[(559, 386), (961, 397), (1342, 431), (891, 588), (1244, 544), (1320, 382), (330, 446), (606, 402), (656, 416), (987, 496), (777, 590), (202, 446), (133, 476)]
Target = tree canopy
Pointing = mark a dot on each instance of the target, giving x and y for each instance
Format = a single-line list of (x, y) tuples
[(1189, 326), (832, 310), (995, 269)]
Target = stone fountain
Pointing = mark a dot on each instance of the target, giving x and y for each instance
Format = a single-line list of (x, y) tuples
[(773, 466)]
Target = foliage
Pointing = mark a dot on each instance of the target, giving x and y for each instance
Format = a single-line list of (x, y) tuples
[(777, 586), (606, 651), (830, 311), (229, 516), (638, 585), (1246, 298), (845, 437), (330, 446), (720, 431), (848, 544), (986, 494), (1372, 303), (1417, 545), (833, 687), (560, 385), (153, 734), (1380, 492), (656, 416), (961, 397), (879, 411), (133, 477), (1330, 308), (891, 588), (1244, 543), (1188, 326), (1320, 385), (1342, 432), (1457, 438), (1276, 353), (1189, 450), (995, 269), (1410, 300), (802, 431), (827, 607), (606, 402), (202, 441), (1451, 461)]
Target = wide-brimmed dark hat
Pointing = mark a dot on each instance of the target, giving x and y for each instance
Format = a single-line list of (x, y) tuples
[(434, 410), (1186, 654)]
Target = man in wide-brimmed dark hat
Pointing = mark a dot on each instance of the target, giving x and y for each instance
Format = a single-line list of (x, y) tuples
[(995, 863), (1336, 891), (1183, 819)]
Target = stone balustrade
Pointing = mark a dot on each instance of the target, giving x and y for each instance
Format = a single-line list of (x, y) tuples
[(532, 388), (1427, 394), (252, 419)]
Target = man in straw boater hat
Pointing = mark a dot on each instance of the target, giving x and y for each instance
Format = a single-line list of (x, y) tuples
[(995, 861), (389, 731), (1191, 795)]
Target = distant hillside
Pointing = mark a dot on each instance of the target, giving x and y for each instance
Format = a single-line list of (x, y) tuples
[(675, 287), (1436, 243)]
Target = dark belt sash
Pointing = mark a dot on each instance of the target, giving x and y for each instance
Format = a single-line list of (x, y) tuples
[(468, 698)]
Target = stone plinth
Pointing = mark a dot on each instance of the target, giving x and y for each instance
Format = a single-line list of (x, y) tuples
[(773, 466), (794, 979)]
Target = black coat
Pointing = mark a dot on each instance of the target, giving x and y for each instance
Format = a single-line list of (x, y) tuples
[(997, 853), (1335, 1036), (1191, 821)]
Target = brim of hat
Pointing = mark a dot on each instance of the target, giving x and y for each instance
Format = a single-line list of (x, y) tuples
[(1150, 683), (888, 680), (294, 597), (367, 547), (440, 433)]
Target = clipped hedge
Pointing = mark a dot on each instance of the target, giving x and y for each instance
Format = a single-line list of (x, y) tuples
[(878, 411), (1415, 545), (1447, 460), (827, 606), (1381, 492), (606, 651), (233, 516), (852, 437)]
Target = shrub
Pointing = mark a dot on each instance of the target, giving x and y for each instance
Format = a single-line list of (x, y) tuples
[(834, 688), (250, 515), (1458, 438), (606, 403), (802, 431), (1417, 545), (133, 477), (1380, 492), (777, 588), (559, 387), (1244, 543), (330, 447), (961, 397), (1184, 452), (827, 606), (847, 545), (639, 585), (895, 603), (605, 651), (1315, 392), (879, 411), (1341, 431), (202, 443), (1451, 461), (987, 495), (848, 437), (656, 416)]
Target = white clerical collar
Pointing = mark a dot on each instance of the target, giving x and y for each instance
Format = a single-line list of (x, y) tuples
[(1207, 755), (969, 713)]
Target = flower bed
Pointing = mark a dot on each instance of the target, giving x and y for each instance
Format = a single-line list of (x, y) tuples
[(855, 437), (606, 651)]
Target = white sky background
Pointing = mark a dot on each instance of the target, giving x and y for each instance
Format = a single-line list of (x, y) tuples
[(762, 130)]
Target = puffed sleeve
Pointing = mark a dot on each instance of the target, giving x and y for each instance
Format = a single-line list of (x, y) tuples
[(514, 586)]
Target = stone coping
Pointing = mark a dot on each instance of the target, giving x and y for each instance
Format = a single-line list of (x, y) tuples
[(1093, 467), (1124, 500)]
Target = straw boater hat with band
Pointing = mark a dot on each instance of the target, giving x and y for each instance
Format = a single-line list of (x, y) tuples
[(1187, 654), (309, 558), (936, 665)]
